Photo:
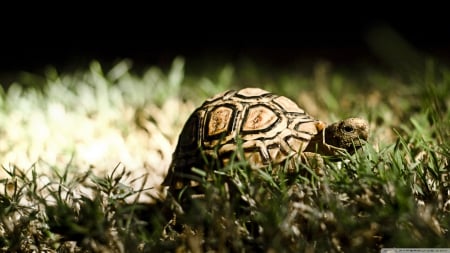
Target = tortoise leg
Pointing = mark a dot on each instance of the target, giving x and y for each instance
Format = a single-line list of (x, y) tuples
[(312, 160)]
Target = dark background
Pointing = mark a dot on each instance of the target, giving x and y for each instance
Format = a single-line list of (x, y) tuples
[(342, 41)]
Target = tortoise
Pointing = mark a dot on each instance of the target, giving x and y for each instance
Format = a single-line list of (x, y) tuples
[(269, 128)]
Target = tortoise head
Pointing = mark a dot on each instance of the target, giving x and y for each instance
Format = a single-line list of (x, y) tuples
[(348, 134)]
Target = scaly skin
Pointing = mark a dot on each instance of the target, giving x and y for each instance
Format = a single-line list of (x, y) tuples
[(345, 135)]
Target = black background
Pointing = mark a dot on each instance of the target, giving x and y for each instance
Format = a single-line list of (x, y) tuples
[(32, 47)]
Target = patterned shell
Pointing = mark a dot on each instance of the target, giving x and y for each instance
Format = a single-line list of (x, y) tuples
[(268, 128)]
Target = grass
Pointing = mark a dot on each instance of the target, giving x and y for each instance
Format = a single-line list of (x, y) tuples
[(83, 154)]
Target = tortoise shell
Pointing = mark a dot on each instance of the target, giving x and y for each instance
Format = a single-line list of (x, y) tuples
[(268, 128)]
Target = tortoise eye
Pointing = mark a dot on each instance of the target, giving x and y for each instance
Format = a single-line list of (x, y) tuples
[(348, 129)]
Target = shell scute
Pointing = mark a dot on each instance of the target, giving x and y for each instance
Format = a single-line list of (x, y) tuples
[(219, 121), (259, 118)]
